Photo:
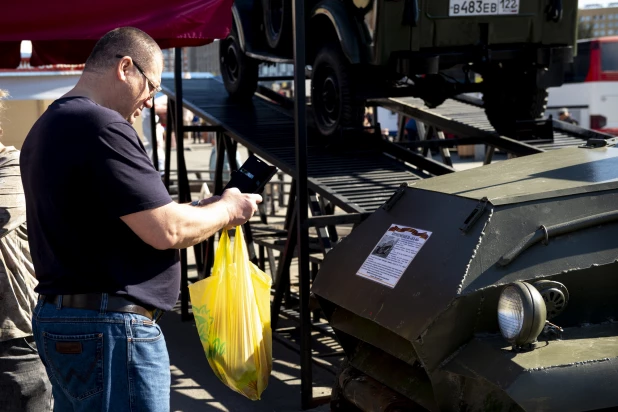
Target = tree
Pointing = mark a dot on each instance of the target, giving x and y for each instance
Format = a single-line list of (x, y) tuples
[(584, 30)]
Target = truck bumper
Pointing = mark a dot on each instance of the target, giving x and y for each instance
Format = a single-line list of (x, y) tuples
[(432, 60)]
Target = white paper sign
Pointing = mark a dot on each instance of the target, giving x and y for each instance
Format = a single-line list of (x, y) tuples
[(393, 254)]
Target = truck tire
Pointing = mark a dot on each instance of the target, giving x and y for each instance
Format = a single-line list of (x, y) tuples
[(239, 72), (508, 99), (332, 92), (278, 23), (338, 402)]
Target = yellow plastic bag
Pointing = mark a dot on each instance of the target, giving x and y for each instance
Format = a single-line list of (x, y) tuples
[(232, 315)]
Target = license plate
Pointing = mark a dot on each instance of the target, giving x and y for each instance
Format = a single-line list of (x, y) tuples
[(482, 7)]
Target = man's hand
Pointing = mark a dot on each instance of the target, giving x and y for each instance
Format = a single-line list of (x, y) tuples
[(240, 206)]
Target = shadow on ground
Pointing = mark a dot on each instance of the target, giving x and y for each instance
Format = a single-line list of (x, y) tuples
[(196, 388)]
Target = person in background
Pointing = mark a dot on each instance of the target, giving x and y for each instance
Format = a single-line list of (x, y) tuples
[(24, 386), (411, 130), (105, 234), (196, 135), (368, 118), (565, 116), (160, 132), (160, 136)]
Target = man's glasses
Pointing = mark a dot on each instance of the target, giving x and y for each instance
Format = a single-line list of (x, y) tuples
[(153, 89)]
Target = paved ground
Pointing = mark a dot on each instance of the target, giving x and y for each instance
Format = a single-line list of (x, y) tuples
[(195, 387)]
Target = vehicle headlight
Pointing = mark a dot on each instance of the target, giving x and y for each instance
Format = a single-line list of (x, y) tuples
[(521, 313)]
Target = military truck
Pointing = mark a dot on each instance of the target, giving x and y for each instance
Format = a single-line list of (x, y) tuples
[(361, 49), (500, 291)]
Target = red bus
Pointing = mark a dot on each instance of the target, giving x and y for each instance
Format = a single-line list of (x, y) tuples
[(590, 91)]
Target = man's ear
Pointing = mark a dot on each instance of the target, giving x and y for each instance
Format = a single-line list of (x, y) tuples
[(122, 68)]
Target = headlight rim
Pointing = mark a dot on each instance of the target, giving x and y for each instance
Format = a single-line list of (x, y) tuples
[(534, 313)]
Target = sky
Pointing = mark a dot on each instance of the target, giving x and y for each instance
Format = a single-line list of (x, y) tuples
[(583, 3)]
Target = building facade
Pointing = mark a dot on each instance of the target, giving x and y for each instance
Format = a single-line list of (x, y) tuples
[(205, 59), (202, 59), (600, 21)]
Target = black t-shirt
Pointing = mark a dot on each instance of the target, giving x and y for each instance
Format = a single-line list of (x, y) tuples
[(83, 167)]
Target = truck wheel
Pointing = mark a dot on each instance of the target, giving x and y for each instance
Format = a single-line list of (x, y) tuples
[(278, 23), (338, 402), (239, 72), (512, 98), (332, 92)]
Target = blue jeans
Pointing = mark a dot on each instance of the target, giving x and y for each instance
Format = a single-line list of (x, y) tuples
[(102, 361)]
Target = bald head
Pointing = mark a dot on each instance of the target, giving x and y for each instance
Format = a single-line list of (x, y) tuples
[(125, 41), (122, 73)]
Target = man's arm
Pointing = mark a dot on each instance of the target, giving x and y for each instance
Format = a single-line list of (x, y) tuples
[(176, 226)]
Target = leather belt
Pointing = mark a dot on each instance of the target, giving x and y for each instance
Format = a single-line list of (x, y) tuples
[(92, 301)]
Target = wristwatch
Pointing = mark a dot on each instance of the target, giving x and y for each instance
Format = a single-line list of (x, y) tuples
[(195, 203)]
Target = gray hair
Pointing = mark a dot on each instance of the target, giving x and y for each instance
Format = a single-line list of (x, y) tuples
[(125, 41)]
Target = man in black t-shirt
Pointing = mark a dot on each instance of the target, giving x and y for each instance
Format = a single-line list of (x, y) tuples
[(104, 234)]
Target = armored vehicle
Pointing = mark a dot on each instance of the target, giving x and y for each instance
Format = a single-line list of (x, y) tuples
[(360, 49), (499, 293)]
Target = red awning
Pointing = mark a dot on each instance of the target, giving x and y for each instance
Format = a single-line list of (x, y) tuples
[(64, 32)]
